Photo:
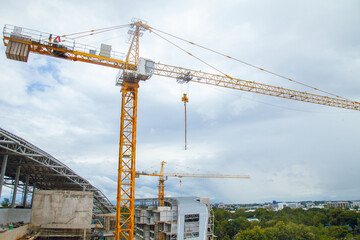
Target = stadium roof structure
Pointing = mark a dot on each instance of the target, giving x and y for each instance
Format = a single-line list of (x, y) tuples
[(43, 170)]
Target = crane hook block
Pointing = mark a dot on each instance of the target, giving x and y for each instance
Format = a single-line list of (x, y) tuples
[(185, 98)]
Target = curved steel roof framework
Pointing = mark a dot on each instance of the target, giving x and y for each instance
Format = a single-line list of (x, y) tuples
[(43, 170)]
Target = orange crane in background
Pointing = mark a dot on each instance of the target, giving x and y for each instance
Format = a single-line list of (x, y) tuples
[(163, 177), (133, 69)]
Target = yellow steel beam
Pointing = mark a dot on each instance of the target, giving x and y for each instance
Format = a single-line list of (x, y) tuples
[(244, 85), (44, 48), (193, 175)]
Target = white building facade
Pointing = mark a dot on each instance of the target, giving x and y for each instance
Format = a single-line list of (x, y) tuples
[(180, 218)]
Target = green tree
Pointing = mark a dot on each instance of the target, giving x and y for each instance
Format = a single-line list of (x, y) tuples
[(251, 234), (5, 202), (264, 215), (221, 214), (300, 231), (288, 224), (348, 218), (280, 231), (220, 229), (240, 213), (227, 237), (337, 232), (334, 216), (320, 219)]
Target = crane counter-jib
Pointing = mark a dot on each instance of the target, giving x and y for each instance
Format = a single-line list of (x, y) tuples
[(62, 47)]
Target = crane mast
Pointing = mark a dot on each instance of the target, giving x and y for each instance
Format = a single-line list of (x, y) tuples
[(125, 201), (162, 179), (20, 41)]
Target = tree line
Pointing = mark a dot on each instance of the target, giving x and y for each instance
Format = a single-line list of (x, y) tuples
[(287, 223)]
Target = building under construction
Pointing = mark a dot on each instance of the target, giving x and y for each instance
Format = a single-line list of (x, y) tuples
[(180, 218), (45, 193), (49, 200)]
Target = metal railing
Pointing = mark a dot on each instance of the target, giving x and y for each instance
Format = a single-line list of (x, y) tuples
[(52, 39)]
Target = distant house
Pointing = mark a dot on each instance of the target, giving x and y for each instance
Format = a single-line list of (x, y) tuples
[(250, 210), (292, 205), (253, 220), (342, 205), (355, 204), (221, 205)]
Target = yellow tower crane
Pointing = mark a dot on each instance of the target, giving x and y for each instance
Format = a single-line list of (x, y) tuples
[(163, 176), (20, 41)]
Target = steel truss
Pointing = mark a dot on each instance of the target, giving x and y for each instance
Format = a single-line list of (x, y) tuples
[(44, 170)]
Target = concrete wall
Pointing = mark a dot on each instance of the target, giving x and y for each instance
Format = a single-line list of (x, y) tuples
[(14, 215), (62, 209)]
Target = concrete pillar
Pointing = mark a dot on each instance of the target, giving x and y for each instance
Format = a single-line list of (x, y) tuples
[(107, 223), (16, 186), (32, 196), (3, 170), (26, 190)]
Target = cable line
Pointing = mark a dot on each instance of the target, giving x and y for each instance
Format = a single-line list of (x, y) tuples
[(246, 63), (95, 31), (182, 49)]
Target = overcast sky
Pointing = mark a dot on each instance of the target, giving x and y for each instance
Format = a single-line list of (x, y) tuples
[(293, 151)]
